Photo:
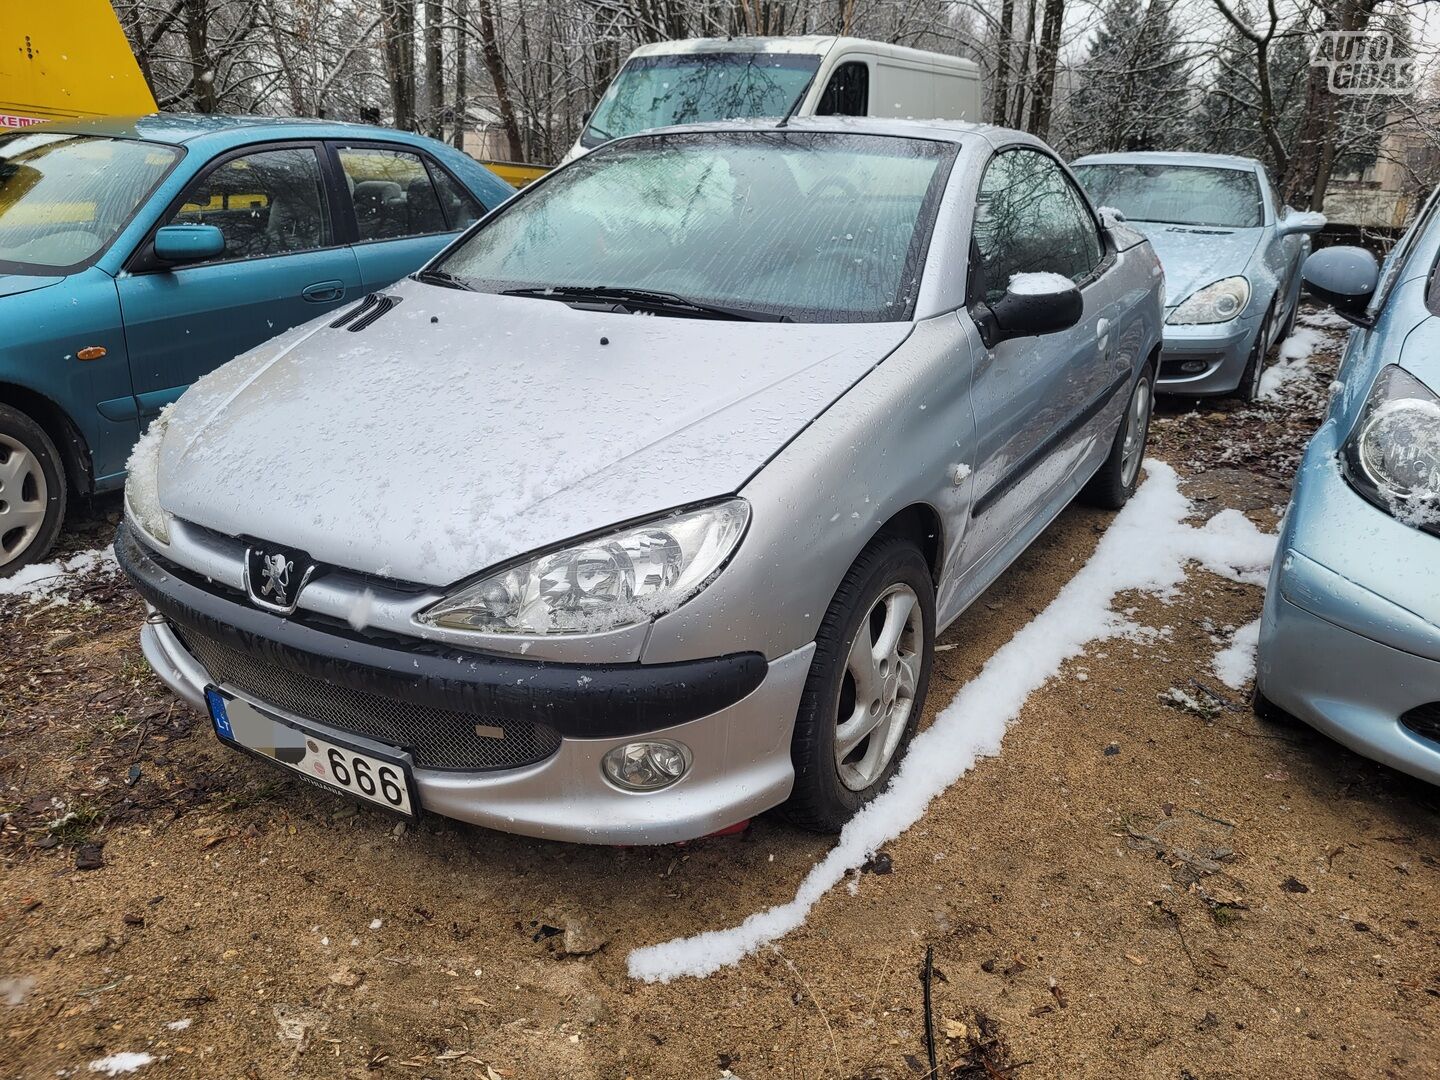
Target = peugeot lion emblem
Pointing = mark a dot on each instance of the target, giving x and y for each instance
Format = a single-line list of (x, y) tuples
[(274, 577)]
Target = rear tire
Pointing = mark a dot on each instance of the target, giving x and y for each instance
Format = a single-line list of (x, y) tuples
[(881, 625), (32, 491), (1111, 487)]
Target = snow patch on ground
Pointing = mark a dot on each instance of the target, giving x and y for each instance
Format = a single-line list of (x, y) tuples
[(1235, 664), (118, 1064), (1149, 547), (51, 580), (1293, 360)]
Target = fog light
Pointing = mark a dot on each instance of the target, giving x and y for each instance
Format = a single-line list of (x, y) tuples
[(1193, 367), (646, 766)]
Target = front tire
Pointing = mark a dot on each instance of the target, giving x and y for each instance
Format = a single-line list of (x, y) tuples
[(867, 685), (1249, 388), (32, 491), (1115, 481)]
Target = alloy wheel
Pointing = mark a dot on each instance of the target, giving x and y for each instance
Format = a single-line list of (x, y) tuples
[(877, 694), (24, 496), (1137, 423)]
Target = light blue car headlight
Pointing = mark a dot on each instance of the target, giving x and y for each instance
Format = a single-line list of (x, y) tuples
[(1392, 456), (620, 579), (1217, 302)]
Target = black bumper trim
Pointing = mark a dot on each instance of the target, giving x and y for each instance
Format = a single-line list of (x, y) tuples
[(576, 700)]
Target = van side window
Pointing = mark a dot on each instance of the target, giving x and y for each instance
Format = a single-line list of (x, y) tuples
[(848, 93)]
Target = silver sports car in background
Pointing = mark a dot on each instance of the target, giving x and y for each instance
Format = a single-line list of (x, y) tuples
[(1350, 639), (638, 510), (1231, 254)]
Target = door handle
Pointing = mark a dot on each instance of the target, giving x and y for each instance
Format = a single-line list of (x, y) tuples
[(322, 292)]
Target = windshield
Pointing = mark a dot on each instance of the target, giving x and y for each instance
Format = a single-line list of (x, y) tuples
[(690, 88), (1176, 194), (64, 197), (820, 227)]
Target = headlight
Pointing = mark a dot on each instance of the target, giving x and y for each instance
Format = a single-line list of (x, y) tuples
[(617, 580), (1218, 302), (142, 484), (1392, 456)]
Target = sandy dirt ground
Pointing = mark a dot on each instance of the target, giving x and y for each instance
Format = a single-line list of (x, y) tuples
[(1133, 887)]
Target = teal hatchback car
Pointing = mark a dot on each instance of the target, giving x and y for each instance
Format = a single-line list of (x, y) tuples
[(138, 254)]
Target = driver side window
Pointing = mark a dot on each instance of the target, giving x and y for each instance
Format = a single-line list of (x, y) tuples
[(1029, 218), (267, 203)]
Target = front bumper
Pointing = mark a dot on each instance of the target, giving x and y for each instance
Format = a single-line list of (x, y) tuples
[(1349, 638), (1206, 360), (736, 714)]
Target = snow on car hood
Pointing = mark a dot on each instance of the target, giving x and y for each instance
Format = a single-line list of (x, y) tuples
[(1194, 256), (463, 429)]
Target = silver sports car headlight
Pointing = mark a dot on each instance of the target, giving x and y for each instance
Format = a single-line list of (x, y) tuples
[(1392, 456), (1218, 302), (616, 580), (142, 481)]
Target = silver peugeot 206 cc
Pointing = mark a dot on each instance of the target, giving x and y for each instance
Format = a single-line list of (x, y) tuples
[(638, 510)]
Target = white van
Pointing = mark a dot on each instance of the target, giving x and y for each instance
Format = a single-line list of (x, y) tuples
[(685, 82)]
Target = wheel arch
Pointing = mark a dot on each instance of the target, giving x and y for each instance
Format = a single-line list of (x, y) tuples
[(56, 423), (921, 523)]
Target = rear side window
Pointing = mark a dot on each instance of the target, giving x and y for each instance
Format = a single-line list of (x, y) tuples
[(848, 92), (460, 206), (392, 193), (271, 202), (1029, 218)]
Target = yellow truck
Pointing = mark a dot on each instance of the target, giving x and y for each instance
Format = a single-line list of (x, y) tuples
[(61, 59)]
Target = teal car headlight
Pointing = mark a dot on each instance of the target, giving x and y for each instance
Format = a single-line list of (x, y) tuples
[(1217, 302), (612, 581), (1392, 456), (142, 482)]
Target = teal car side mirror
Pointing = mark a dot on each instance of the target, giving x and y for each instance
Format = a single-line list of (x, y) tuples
[(1345, 278), (188, 243)]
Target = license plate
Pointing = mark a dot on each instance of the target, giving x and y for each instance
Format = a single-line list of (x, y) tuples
[(375, 777)]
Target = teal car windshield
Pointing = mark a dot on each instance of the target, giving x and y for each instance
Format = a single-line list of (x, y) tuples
[(816, 227), (1176, 194), (63, 198), (691, 88)]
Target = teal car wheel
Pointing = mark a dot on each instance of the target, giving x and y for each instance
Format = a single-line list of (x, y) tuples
[(32, 491)]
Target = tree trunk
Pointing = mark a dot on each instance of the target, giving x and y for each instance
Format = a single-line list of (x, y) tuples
[(1022, 73), (495, 66), (434, 72), (1001, 99), (462, 44), (398, 26), (1044, 98)]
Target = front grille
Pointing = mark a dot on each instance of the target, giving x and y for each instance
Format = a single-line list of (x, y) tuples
[(1424, 720), (435, 738)]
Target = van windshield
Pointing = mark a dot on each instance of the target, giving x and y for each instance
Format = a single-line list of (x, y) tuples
[(808, 226), (64, 197), (691, 88)]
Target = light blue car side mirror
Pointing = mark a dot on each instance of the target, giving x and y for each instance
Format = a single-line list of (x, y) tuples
[(188, 243), (1345, 278), (1300, 221)]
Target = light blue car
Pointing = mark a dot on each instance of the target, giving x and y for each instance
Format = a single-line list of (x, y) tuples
[(1231, 254), (1350, 637), (138, 254)]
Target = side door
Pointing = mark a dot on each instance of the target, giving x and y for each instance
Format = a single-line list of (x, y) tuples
[(1037, 399), (403, 207), (283, 265)]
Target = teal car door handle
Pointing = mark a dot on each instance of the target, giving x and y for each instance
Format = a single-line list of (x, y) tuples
[(322, 292)]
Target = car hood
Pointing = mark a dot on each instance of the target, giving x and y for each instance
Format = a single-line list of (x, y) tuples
[(15, 284), (1194, 256), (460, 429)]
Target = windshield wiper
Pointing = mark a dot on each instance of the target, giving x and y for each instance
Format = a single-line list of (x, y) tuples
[(442, 277), (648, 300)]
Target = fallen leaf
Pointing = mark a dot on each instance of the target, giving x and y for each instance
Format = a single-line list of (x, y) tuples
[(954, 1029)]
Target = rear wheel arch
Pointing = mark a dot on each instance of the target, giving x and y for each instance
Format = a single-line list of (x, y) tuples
[(62, 430)]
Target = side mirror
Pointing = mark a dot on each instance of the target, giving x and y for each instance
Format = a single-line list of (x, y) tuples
[(1033, 304), (1297, 221), (188, 243), (1345, 278)]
